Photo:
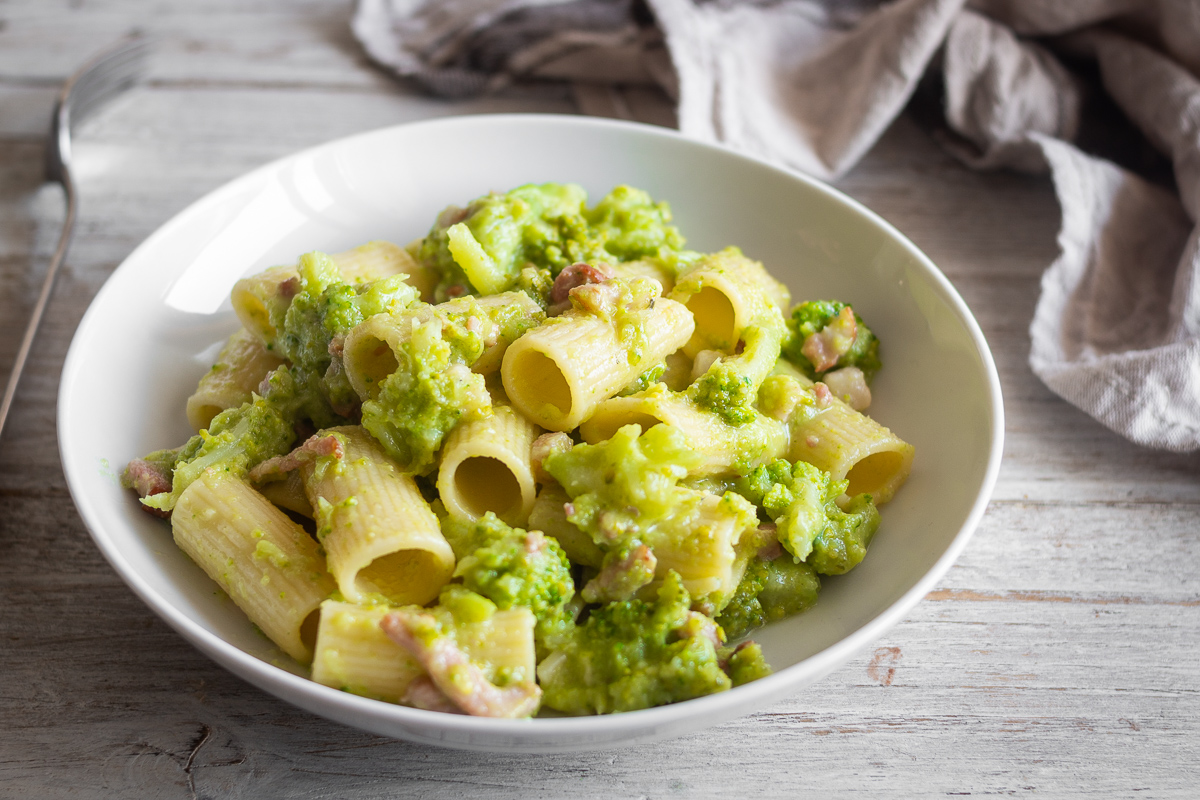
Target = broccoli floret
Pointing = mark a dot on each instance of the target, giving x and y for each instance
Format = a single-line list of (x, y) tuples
[(633, 654), (624, 486), (729, 388), (537, 282), (487, 246), (802, 501), (726, 392), (813, 317), (235, 441), (530, 224), (431, 390), (629, 225), (746, 663), (769, 592), (843, 544), (513, 567), (625, 495), (325, 309)]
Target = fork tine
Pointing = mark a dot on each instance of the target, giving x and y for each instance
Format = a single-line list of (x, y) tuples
[(93, 100), (119, 59), (108, 74)]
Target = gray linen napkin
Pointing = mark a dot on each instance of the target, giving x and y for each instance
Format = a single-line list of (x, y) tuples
[(812, 85)]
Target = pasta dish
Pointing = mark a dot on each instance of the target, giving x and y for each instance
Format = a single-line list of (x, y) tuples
[(545, 457)]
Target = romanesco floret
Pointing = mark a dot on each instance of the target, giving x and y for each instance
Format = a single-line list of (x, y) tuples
[(431, 390), (730, 386), (326, 309), (513, 567), (802, 501), (727, 392), (235, 441), (769, 591), (623, 486), (746, 663), (813, 317), (633, 654), (629, 225), (487, 246)]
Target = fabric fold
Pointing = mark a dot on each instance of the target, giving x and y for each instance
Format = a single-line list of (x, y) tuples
[(813, 84)]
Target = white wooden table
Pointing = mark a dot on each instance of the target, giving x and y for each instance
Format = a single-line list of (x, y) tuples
[(1059, 657)]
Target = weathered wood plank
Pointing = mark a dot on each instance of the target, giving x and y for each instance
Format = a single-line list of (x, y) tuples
[(1055, 658), (1090, 655)]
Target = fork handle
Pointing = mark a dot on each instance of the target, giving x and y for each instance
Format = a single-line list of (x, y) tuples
[(39, 308)]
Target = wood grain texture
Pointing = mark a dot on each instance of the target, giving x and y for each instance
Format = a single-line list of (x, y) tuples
[(1057, 658)]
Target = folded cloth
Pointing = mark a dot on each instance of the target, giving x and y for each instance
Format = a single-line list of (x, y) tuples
[(812, 84)]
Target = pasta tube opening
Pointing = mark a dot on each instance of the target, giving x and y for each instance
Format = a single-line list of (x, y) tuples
[(309, 628), (879, 474), (538, 381), (405, 576), (373, 361), (484, 484), (851, 446), (201, 414), (607, 421), (716, 320)]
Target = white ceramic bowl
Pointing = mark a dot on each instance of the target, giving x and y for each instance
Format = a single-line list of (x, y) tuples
[(155, 326)]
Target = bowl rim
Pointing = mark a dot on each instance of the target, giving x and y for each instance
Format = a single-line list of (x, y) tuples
[(722, 705)]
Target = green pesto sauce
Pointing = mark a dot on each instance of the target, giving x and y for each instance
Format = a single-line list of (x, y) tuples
[(633, 654), (547, 227)]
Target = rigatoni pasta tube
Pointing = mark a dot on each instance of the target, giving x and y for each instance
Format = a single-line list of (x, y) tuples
[(379, 534), (240, 368), (725, 292), (557, 373), (271, 569), (486, 467), (379, 259), (261, 301), (701, 547), (723, 448), (851, 446), (846, 443), (354, 654), (371, 350)]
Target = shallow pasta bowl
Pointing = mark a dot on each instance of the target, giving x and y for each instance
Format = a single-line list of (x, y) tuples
[(155, 326)]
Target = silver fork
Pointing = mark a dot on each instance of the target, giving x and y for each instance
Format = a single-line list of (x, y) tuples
[(97, 82)]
